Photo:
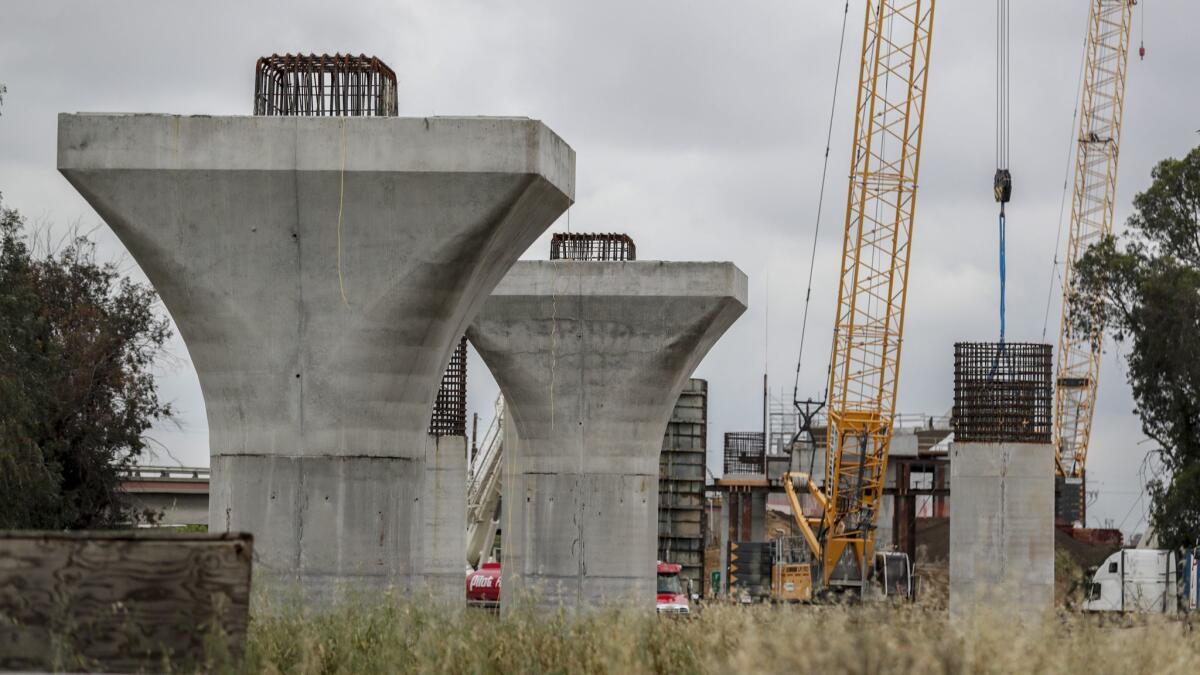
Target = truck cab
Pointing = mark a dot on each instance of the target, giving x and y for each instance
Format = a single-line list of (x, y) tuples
[(672, 595), (893, 575), (1134, 580)]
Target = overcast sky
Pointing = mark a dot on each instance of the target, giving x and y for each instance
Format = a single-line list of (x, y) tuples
[(700, 130)]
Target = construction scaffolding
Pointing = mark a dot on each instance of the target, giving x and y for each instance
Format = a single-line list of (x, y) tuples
[(333, 85)]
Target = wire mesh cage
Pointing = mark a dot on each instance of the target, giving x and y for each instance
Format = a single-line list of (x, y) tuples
[(450, 407), (579, 246), (335, 85), (1003, 392), (745, 452)]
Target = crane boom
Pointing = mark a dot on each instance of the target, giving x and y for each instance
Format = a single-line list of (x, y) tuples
[(1101, 107), (880, 204)]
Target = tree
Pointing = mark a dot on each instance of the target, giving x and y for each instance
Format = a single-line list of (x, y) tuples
[(77, 344), (1145, 290)]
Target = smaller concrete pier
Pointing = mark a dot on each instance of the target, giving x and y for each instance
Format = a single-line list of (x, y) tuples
[(1002, 527), (591, 357)]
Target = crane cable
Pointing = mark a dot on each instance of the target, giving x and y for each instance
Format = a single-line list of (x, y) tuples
[(820, 202), (1002, 181)]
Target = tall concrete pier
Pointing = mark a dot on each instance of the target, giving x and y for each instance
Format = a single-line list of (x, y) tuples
[(321, 270), (1002, 479), (591, 357)]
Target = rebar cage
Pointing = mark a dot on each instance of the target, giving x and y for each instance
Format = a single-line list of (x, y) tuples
[(335, 85), (1003, 392), (579, 246), (450, 408), (745, 452)]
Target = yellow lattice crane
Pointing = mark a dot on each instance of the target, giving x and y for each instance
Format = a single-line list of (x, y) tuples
[(880, 205), (1101, 105)]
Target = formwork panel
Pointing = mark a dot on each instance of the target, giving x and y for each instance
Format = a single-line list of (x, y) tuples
[(681, 482)]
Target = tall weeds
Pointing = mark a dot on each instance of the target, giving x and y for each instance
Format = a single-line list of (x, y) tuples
[(411, 637)]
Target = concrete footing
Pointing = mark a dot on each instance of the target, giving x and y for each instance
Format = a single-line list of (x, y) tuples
[(1001, 528), (591, 357), (321, 270)]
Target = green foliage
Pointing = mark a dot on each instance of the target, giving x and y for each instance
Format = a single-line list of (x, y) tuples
[(1146, 292), (77, 344)]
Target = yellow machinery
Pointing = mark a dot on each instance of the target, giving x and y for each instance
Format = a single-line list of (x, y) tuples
[(880, 205), (1101, 106), (791, 582)]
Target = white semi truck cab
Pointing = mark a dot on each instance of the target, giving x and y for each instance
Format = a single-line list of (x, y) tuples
[(1135, 580)]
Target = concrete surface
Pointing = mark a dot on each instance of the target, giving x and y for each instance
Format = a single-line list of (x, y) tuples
[(320, 270), (591, 357), (1001, 527), (444, 518)]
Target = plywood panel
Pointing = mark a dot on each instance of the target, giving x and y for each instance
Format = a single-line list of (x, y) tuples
[(120, 601)]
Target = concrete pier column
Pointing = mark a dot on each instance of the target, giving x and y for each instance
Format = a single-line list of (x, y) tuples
[(1001, 527), (591, 357), (321, 270), (443, 525)]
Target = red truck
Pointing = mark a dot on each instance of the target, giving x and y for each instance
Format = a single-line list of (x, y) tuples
[(672, 596), (483, 588)]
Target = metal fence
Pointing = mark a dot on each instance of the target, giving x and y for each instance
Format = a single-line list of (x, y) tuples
[(334, 85), (579, 246), (1003, 392), (745, 452), (450, 407)]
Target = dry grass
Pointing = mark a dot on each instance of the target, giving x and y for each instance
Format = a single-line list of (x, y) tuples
[(400, 637)]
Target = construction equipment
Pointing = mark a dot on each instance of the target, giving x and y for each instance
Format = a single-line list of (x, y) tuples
[(791, 582), (865, 361), (483, 490), (672, 595), (891, 575), (1101, 106)]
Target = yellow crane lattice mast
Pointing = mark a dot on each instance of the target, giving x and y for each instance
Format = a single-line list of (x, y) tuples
[(881, 202), (1101, 106)]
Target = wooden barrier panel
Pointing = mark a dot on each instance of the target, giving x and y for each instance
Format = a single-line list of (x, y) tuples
[(121, 600)]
